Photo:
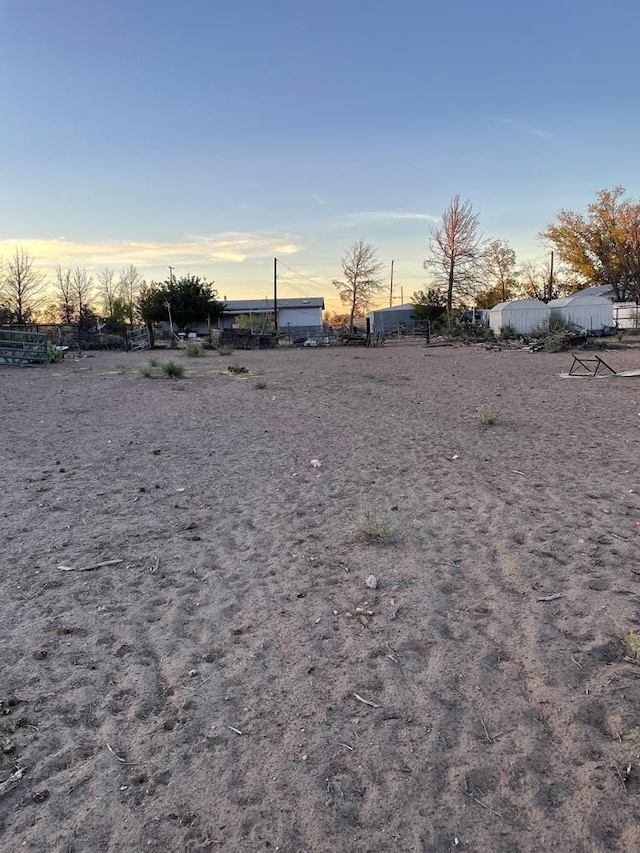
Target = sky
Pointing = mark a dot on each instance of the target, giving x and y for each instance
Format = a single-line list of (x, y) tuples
[(212, 136)]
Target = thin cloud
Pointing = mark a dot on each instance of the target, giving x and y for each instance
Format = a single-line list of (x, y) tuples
[(388, 216), (522, 126), (231, 247)]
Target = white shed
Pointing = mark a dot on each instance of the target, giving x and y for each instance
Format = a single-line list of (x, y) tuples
[(520, 315), (586, 311)]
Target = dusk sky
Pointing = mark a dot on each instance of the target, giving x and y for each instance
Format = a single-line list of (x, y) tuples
[(212, 135)]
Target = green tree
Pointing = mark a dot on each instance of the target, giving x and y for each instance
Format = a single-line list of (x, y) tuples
[(115, 321), (261, 323), (6, 315), (603, 246), (186, 300), (429, 305), (456, 251), (362, 283), (498, 273), (152, 306)]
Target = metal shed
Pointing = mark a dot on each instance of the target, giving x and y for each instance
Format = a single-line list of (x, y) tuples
[(588, 312), (400, 318), (523, 316)]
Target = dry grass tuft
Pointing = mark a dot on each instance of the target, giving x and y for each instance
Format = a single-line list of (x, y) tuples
[(371, 528), (485, 416)]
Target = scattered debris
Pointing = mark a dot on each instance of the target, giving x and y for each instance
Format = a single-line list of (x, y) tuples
[(316, 463), (40, 796), (371, 582), (480, 803), (622, 775), (11, 782), (237, 731)]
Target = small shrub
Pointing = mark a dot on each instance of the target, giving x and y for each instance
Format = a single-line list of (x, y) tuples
[(173, 370), (146, 370), (53, 353), (633, 735), (632, 646), (507, 331), (194, 349), (225, 350), (153, 362), (236, 368), (485, 416), (372, 529), (557, 342), (260, 383)]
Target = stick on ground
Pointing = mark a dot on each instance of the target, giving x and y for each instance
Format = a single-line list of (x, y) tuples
[(366, 701), (91, 567)]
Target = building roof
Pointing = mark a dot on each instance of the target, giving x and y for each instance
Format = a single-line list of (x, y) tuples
[(597, 290), (520, 305), (581, 298), (408, 306), (245, 306)]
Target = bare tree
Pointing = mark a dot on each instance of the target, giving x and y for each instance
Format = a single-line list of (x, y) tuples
[(362, 284), (65, 306), (129, 284), (107, 290), (456, 250), (21, 287), (540, 281), (82, 286)]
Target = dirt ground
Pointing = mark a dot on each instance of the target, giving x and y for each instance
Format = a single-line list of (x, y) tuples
[(232, 684)]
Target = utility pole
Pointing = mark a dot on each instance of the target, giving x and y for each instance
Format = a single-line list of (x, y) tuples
[(551, 279), (171, 269), (391, 288), (275, 293)]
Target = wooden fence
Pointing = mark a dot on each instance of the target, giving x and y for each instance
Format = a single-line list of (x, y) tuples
[(21, 348)]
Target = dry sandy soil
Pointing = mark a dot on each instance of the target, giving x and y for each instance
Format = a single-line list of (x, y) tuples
[(233, 685)]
